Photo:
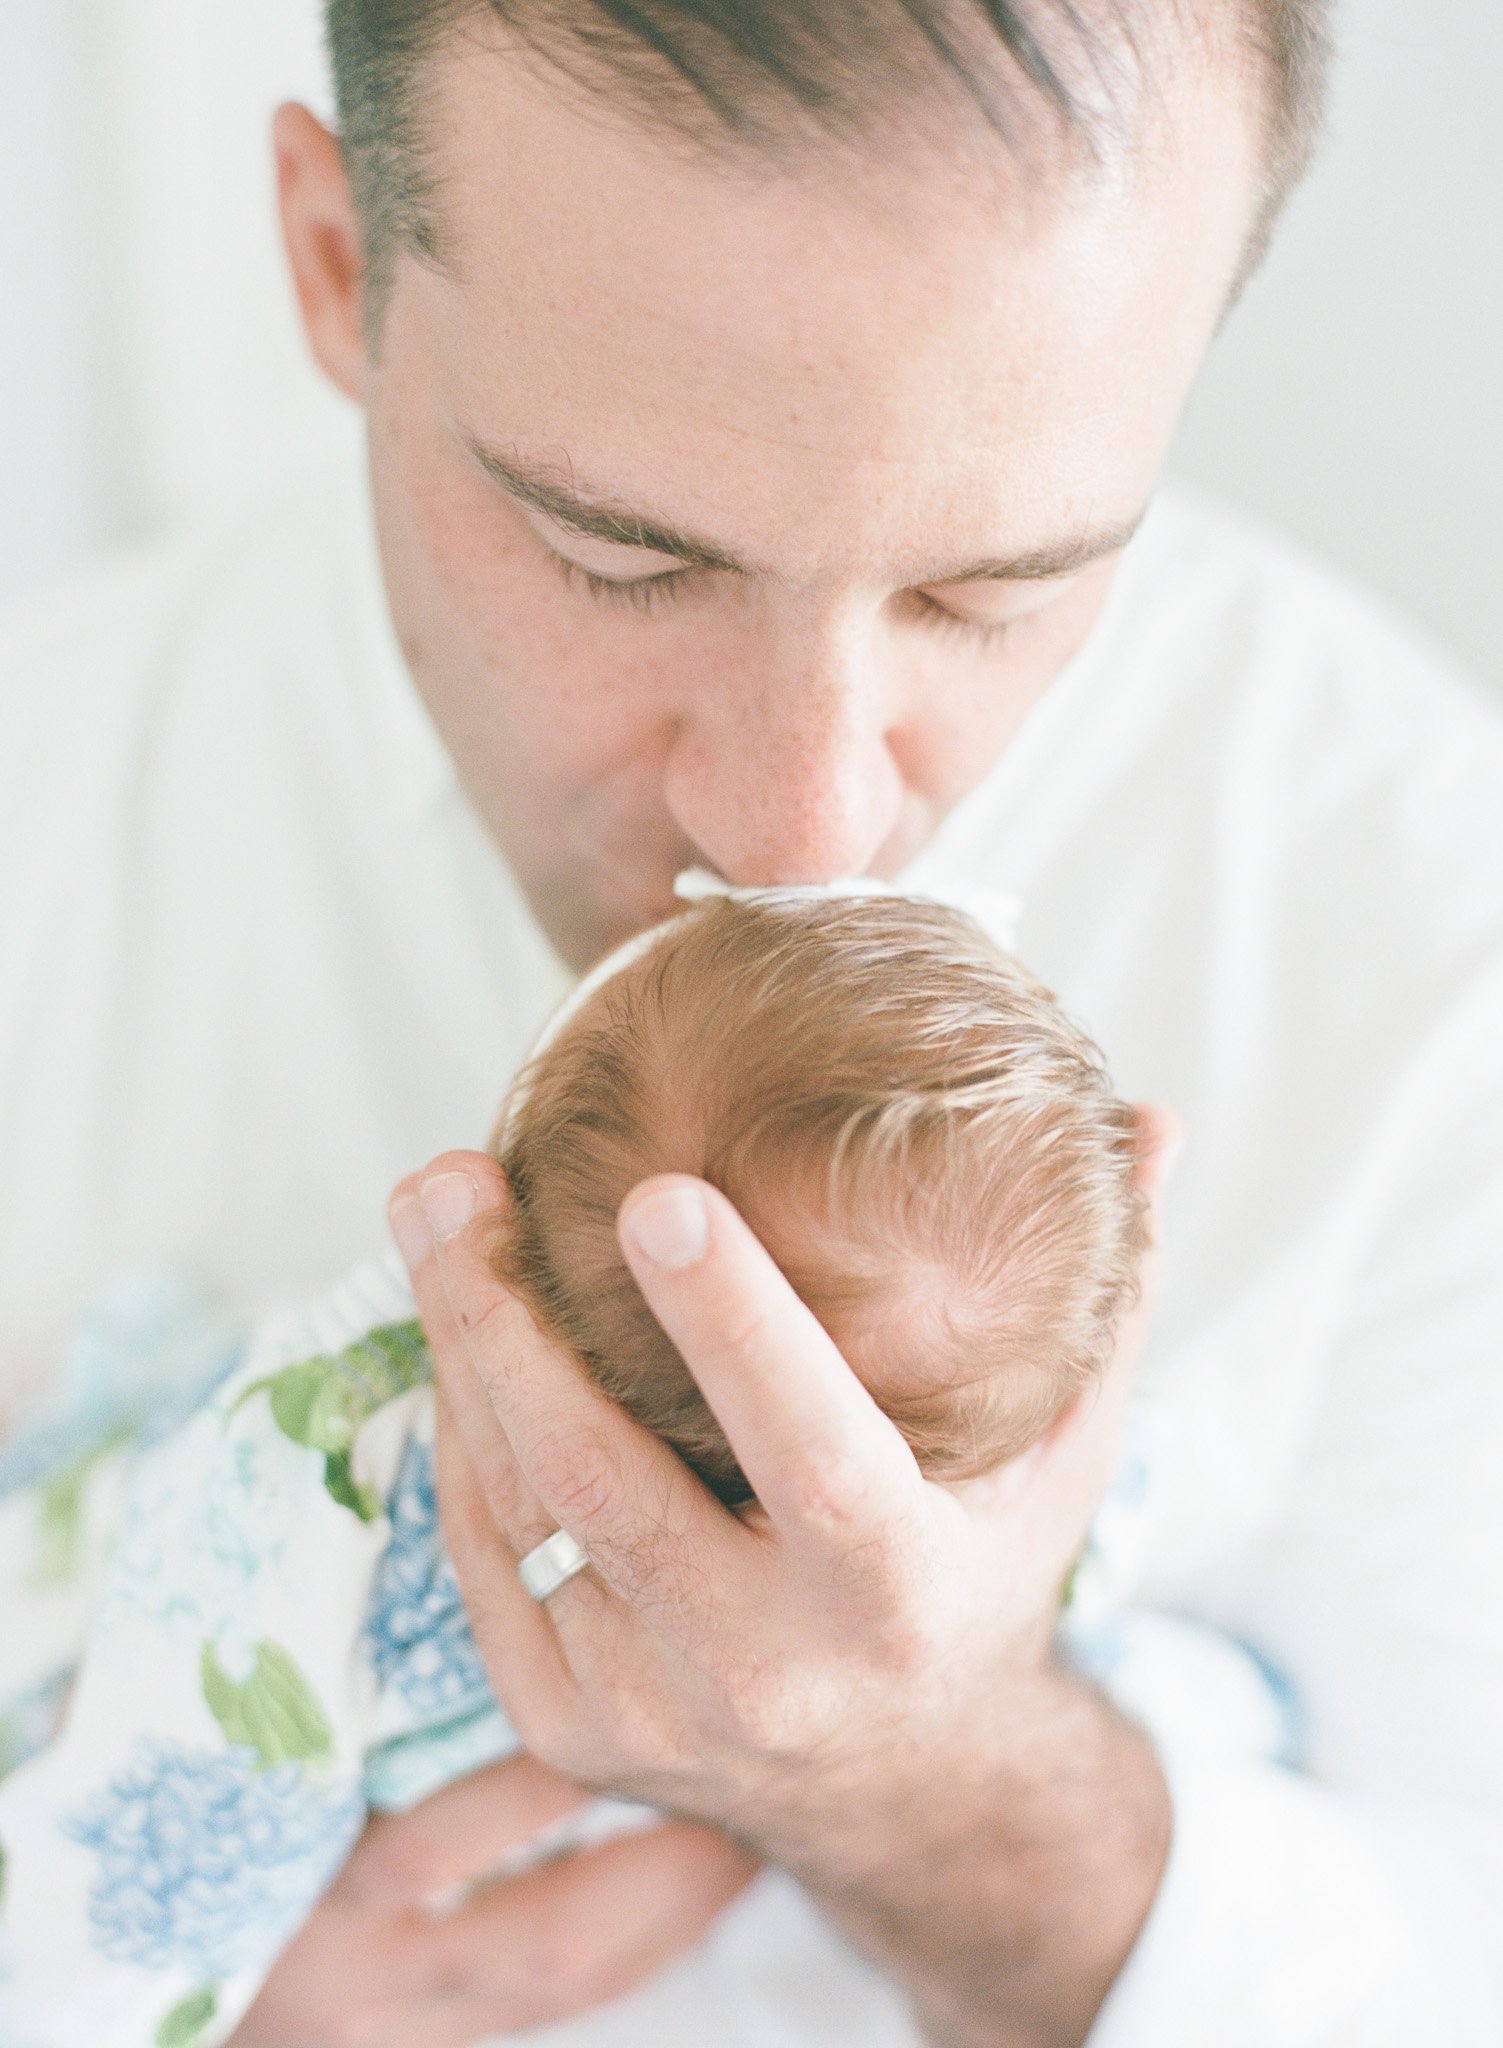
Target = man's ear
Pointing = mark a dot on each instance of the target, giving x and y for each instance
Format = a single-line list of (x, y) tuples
[(321, 233)]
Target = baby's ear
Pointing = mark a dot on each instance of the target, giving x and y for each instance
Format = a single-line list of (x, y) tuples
[(1001, 1483)]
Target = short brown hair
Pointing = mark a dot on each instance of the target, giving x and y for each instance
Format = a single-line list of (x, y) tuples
[(757, 76), (927, 1146)]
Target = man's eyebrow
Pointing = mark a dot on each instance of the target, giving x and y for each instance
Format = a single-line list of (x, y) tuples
[(1060, 558), (552, 490)]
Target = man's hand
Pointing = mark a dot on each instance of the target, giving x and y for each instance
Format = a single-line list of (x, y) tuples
[(379, 1966), (856, 1678)]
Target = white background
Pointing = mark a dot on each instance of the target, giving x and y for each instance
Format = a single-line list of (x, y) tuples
[(149, 367)]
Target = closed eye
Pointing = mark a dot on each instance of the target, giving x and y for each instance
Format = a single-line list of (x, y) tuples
[(979, 632), (642, 593), (668, 586)]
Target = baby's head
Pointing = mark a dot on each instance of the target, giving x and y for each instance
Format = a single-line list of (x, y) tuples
[(925, 1144)]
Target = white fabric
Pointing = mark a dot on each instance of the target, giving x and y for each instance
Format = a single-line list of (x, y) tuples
[(259, 959)]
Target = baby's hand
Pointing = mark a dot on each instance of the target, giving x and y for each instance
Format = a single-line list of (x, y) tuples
[(378, 1967)]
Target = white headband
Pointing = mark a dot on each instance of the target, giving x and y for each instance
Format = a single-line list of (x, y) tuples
[(995, 913)]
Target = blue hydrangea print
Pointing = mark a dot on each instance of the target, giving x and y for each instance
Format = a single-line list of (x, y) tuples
[(207, 1863), (29, 1720), (416, 1633), (153, 1348)]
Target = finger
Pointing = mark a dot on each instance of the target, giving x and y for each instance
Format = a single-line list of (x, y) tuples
[(462, 1389), (822, 1458), (458, 1834), (582, 1929), (463, 1392), (513, 1632), (633, 1505), (464, 1409)]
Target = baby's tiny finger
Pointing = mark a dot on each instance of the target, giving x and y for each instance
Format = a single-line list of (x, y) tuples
[(459, 1834)]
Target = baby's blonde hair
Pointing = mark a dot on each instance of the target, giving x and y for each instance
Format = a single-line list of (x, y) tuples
[(925, 1144)]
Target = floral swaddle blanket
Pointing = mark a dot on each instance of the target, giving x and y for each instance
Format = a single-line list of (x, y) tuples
[(228, 1629), (249, 1617)]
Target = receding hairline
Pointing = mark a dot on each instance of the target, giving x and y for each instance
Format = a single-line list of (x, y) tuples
[(1085, 93)]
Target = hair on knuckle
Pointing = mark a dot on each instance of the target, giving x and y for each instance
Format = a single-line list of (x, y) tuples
[(574, 1472)]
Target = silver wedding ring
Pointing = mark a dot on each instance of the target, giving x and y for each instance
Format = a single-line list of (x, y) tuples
[(556, 1560)]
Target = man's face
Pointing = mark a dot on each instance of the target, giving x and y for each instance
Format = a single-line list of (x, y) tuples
[(883, 428)]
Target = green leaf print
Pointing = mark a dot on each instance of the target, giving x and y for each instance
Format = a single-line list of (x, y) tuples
[(187, 2021), (343, 1488), (323, 1403), (1071, 1585), (311, 1404), (275, 1711), (60, 1510)]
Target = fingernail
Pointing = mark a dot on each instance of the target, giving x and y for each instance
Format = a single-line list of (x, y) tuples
[(448, 1203), (670, 1227), (410, 1231)]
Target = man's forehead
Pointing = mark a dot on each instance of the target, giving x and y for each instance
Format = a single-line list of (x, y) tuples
[(498, 103), (732, 90), (542, 194), (885, 337)]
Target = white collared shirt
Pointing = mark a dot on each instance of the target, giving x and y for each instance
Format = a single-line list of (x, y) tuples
[(259, 959)]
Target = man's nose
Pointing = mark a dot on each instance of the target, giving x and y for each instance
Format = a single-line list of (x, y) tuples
[(782, 774)]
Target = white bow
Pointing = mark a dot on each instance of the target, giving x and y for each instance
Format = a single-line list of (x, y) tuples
[(996, 913)]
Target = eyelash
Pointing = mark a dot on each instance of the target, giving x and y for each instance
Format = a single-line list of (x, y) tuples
[(975, 632), (647, 593), (643, 594)]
